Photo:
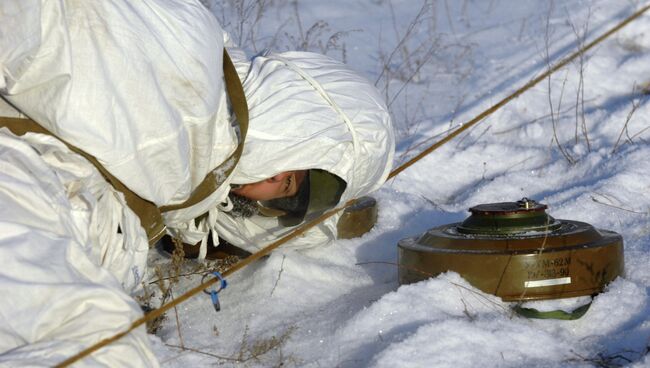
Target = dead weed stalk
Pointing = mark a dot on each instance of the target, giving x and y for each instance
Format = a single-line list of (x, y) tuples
[(257, 351)]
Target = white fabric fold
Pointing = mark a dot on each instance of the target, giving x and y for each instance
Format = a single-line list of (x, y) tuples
[(66, 270), (136, 84)]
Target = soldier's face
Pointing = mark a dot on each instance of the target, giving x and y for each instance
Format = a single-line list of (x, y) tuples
[(284, 184)]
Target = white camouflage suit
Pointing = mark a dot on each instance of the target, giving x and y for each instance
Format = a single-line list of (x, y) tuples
[(139, 86)]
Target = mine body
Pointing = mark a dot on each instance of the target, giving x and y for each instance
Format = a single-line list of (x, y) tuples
[(516, 251)]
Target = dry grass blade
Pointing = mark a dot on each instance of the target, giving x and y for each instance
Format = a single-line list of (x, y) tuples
[(248, 351), (624, 130), (554, 118), (617, 207), (580, 119)]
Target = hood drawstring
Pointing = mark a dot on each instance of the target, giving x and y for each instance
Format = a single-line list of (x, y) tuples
[(209, 225), (319, 88), (197, 231)]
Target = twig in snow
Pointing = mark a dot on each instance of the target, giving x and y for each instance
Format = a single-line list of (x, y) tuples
[(247, 351), (399, 47), (476, 139), (279, 274), (566, 155), (426, 141), (178, 322), (219, 265), (635, 106), (554, 119), (200, 352), (580, 95), (608, 360), (466, 311), (617, 207), (639, 133)]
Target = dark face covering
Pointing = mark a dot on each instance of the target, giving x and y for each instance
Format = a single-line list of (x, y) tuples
[(318, 192), (243, 207)]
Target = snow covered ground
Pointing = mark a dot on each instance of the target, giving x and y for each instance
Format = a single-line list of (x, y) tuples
[(333, 307)]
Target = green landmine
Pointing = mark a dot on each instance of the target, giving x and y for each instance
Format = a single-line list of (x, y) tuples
[(516, 251)]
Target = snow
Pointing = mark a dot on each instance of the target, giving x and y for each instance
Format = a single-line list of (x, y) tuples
[(341, 305)]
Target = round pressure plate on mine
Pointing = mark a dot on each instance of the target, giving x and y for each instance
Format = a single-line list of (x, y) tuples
[(516, 251)]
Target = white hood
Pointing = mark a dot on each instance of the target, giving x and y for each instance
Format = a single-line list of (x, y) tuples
[(308, 111)]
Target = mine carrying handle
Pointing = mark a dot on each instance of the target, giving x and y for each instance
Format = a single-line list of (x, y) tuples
[(555, 314)]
